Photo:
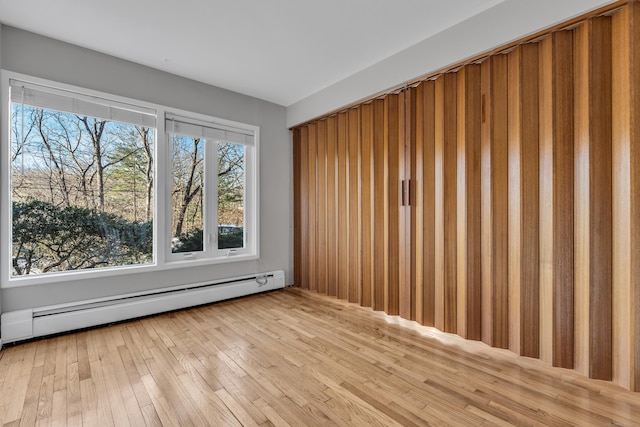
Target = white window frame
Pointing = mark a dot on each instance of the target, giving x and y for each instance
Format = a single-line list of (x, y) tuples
[(163, 258), (210, 236)]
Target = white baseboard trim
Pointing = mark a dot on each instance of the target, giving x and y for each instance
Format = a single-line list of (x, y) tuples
[(37, 322)]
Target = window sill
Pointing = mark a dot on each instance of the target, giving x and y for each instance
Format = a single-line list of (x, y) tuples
[(21, 281)]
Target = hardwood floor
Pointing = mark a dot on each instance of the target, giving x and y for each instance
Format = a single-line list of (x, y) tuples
[(291, 358)]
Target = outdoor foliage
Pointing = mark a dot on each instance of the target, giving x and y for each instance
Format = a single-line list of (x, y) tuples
[(188, 242), (232, 239), (50, 238), (192, 240)]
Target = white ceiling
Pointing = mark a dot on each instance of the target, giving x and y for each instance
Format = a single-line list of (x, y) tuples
[(278, 50)]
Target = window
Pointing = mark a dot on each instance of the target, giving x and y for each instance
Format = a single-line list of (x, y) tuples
[(83, 185), (209, 188)]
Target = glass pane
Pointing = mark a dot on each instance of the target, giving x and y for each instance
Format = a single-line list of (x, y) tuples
[(231, 198), (81, 192), (187, 199)]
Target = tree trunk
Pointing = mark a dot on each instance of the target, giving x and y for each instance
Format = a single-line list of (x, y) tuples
[(95, 132)]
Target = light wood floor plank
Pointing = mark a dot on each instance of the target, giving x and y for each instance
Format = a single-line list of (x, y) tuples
[(291, 358)]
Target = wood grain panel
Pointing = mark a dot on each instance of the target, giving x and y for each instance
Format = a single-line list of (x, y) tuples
[(355, 195), (563, 202), (297, 235), (395, 143), (546, 198), (381, 210), (461, 204), (625, 160), (582, 211), (312, 224), (343, 207), (406, 294), (530, 222), (486, 237), (367, 205), (600, 244), (593, 198), (429, 202), (332, 206), (468, 204), (524, 302), (634, 297), (304, 206), (499, 199), (450, 143), (515, 194), (556, 200), (416, 227), (439, 235), (321, 214)]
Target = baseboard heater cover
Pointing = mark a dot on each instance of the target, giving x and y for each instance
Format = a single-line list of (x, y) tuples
[(37, 322)]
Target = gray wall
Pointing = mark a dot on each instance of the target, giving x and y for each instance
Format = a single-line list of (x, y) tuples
[(47, 58), (507, 21)]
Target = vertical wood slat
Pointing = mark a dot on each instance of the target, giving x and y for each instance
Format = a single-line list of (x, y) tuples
[(625, 196), (304, 206), (556, 200), (600, 242), (461, 204), (486, 237), (343, 208), (416, 227), (634, 297), (530, 223), (622, 128), (634, 164), (312, 222), (524, 300), (563, 202), (515, 191), (393, 114), (332, 206), (381, 210), (468, 204), (367, 206), (321, 236), (499, 199), (439, 234), (495, 280), (582, 211), (593, 198), (406, 293), (297, 235), (355, 194), (546, 131), (450, 143), (429, 202)]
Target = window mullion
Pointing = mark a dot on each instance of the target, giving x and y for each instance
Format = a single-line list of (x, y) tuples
[(211, 181)]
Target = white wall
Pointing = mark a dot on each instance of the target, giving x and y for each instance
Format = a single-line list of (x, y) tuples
[(505, 22), (39, 56)]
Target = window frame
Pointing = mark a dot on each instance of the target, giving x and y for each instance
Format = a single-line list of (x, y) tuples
[(161, 193), (211, 192)]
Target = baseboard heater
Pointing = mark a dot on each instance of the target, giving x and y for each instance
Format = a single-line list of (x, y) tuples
[(37, 322)]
